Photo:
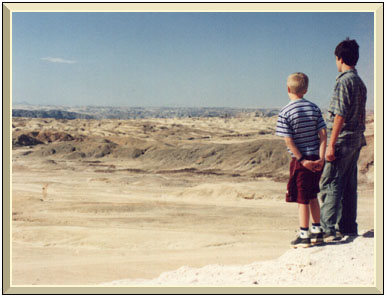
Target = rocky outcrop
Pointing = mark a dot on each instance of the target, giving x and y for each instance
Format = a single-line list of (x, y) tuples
[(39, 137)]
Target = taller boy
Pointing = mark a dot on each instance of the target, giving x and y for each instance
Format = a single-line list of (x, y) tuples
[(345, 125)]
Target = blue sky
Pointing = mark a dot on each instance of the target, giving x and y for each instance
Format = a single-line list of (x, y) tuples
[(181, 59)]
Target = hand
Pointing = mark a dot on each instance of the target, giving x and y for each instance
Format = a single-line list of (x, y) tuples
[(310, 165), (330, 153), (319, 165)]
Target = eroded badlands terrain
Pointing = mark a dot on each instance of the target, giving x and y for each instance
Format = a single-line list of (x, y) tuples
[(100, 200)]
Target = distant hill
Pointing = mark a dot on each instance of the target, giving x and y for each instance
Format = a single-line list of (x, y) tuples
[(92, 112), (56, 114)]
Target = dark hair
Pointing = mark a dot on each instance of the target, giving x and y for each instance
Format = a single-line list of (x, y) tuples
[(348, 50)]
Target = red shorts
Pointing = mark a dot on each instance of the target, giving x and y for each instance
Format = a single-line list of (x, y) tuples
[(303, 184)]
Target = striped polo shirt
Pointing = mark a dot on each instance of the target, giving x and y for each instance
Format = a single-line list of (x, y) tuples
[(301, 120)]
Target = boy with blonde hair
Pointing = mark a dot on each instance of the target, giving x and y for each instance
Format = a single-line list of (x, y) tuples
[(301, 124)]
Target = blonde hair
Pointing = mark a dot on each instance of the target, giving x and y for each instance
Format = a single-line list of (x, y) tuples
[(297, 83)]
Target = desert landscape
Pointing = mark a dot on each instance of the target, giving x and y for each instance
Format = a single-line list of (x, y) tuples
[(120, 202)]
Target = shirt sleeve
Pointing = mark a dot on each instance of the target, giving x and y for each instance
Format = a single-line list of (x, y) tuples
[(283, 128), (340, 100)]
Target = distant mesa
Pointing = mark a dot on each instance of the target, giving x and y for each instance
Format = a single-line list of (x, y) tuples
[(122, 113), (55, 113)]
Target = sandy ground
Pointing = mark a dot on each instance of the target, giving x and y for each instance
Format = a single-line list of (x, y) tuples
[(168, 195), (332, 264)]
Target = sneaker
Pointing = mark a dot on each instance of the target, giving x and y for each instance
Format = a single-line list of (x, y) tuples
[(331, 236), (316, 238), (301, 242)]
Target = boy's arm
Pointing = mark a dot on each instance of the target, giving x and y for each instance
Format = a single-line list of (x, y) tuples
[(338, 124), (297, 154), (339, 107), (323, 143), (322, 148)]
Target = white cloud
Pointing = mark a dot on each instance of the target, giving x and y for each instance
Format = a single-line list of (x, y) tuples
[(58, 60)]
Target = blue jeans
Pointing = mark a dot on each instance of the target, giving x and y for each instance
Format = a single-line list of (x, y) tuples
[(338, 191)]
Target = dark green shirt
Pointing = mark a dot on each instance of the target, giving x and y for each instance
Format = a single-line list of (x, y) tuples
[(349, 101)]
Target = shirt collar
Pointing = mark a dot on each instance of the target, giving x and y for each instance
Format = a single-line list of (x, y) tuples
[(296, 100), (346, 72)]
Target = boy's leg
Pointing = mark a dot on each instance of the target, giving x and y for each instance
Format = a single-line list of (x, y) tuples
[(347, 222), (303, 240), (316, 231), (303, 183), (330, 195), (333, 185), (304, 215), (315, 211)]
